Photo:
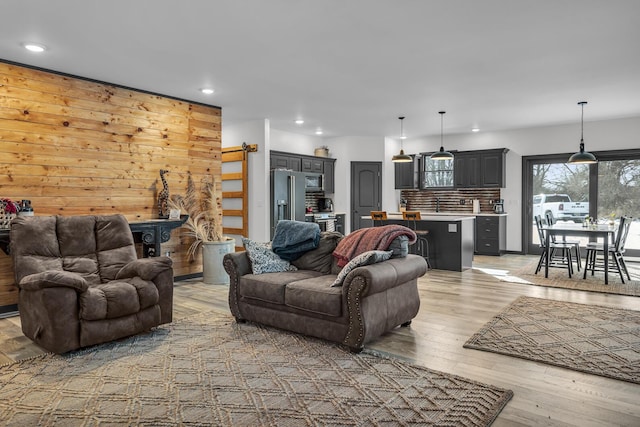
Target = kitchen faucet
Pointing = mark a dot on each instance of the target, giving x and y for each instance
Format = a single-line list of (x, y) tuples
[(437, 204)]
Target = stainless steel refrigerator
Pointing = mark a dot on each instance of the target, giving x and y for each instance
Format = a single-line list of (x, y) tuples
[(287, 197)]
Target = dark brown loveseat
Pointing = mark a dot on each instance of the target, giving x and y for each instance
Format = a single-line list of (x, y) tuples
[(372, 300), (81, 283)]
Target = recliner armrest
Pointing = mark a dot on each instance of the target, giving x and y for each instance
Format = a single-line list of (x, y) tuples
[(145, 268), (53, 279)]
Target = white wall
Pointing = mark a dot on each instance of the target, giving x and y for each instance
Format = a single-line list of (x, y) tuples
[(254, 132), (598, 136), (349, 149), (295, 143)]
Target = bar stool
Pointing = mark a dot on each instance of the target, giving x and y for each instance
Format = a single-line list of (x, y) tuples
[(378, 217), (422, 242)]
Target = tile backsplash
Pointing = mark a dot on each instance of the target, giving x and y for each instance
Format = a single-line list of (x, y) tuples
[(450, 200)]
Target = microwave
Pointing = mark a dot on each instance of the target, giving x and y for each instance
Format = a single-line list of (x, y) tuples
[(313, 182)]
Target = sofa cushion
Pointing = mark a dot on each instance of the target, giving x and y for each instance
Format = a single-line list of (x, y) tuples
[(365, 258), (263, 259), (321, 258), (269, 287), (117, 298), (315, 295)]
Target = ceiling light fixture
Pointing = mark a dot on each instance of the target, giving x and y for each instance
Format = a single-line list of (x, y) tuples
[(319, 132), (442, 155), (401, 158), (207, 91), (582, 157), (475, 130), (34, 47), (299, 121)]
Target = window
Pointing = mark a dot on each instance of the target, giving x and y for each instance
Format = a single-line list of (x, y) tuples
[(436, 173), (606, 190)]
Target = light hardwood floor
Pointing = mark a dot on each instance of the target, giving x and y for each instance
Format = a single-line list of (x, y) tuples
[(454, 306)]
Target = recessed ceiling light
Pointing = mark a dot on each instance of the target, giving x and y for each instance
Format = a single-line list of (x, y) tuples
[(299, 121), (34, 47), (475, 130), (319, 132), (206, 91)]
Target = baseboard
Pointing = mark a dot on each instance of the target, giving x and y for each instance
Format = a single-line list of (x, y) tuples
[(187, 276), (8, 310)]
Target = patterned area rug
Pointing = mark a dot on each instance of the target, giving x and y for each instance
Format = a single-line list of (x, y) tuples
[(558, 278), (208, 370), (588, 338)]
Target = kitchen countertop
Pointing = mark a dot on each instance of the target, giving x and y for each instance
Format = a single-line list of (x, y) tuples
[(468, 214), (428, 217)]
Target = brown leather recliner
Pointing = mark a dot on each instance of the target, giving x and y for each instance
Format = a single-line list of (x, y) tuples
[(81, 283)]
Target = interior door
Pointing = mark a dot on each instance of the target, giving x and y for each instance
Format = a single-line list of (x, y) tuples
[(366, 191)]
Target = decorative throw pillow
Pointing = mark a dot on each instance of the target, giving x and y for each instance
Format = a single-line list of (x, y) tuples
[(365, 258), (399, 246), (263, 259)]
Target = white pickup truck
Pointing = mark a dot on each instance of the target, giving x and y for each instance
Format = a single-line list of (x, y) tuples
[(560, 207)]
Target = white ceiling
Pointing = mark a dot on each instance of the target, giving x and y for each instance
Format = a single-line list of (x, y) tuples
[(351, 67)]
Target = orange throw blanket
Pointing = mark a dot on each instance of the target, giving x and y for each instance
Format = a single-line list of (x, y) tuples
[(370, 239)]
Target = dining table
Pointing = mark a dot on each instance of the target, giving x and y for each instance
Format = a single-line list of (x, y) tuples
[(593, 231)]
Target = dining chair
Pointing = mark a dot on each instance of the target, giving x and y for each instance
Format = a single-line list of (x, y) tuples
[(575, 243), (561, 261), (616, 252), (411, 219), (378, 217)]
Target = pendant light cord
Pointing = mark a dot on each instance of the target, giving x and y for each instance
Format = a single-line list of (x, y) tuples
[(441, 130), (582, 123)]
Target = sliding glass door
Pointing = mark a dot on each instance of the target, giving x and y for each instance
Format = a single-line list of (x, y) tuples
[(603, 191)]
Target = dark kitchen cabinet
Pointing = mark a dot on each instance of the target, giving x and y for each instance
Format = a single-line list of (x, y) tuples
[(467, 170), (480, 169), (405, 175), (491, 235), (492, 166), (302, 163), (314, 165), (284, 161), (328, 169)]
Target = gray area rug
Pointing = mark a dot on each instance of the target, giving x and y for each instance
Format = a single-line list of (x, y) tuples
[(588, 338), (208, 370), (558, 278)]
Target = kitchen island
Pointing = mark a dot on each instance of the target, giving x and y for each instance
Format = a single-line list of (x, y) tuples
[(451, 238)]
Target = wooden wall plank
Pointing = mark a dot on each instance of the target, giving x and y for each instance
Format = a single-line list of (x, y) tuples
[(76, 147)]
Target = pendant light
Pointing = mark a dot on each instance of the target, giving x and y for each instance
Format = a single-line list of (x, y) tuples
[(401, 158), (442, 155), (582, 157)]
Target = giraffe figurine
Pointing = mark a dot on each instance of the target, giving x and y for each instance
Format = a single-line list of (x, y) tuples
[(163, 196)]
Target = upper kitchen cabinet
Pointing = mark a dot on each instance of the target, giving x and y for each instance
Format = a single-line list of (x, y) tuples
[(492, 167), (405, 175), (467, 170), (285, 161), (314, 165), (302, 163), (328, 168), (480, 169), (436, 173)]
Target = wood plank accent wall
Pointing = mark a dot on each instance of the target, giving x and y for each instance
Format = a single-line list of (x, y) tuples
[(74, 147), (425, 200)]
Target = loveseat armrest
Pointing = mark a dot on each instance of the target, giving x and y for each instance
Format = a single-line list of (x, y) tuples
[(53, 279), (145, 268), (236, 264), (385, 275)]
